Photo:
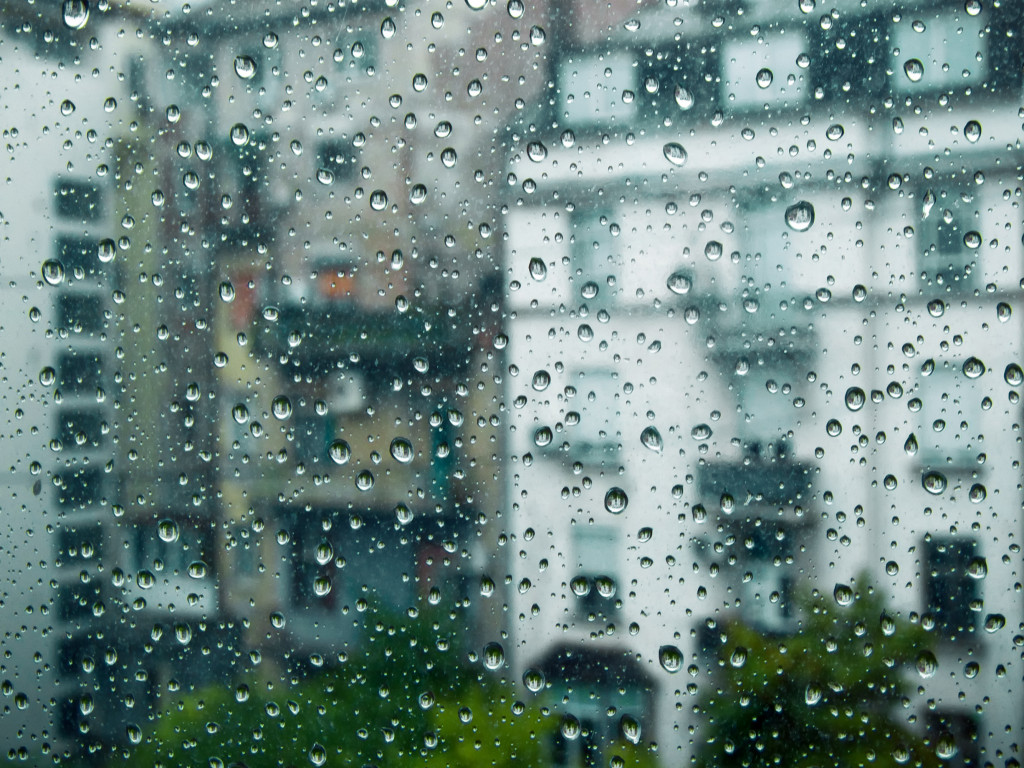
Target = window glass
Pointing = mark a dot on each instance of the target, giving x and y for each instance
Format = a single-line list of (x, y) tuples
[(451, 383)]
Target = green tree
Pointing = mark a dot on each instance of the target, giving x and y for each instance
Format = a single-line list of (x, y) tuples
[(832, 692)]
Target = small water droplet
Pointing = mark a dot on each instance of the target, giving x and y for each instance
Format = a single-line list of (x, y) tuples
[(168, 531), (972, 131), (281, 407), (977, 494), (541, 380), (812, 694), (53, 272), (701, 432), (971, 669), (713, 250), (936, 307), (977, 568), (378, 200), (834, 427), (800, 216), (764, 77), (994, 622), (738, 657), (675, 153), (835, 132), (651, 438), (538, 269), (910, 446), (616, 501), (317, 755), (972, 240), (67, 107), (388, 28)]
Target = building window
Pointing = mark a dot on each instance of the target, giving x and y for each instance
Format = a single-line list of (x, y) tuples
[(593, 424), (595, 89), (951, 591), (849, 59), (80, 312), (78, 257), (78, 200), (339, 159), (950, 45), (594, 584), (81, 429), (946, 254), (949, 420), (746, 60), (957, 732), (80, 372), (79, 489)]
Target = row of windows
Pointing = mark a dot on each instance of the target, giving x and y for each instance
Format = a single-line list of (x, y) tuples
[(850, 58)]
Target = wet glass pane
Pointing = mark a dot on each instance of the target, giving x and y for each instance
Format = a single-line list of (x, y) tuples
[(494, 382)]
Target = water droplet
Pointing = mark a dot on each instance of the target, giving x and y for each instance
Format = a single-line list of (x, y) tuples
[(936, 307), (67, 107), (364, 480), (493, 656), (684, 98), (168, 531), (972, 240), (106, 250), (977, 494), (616, 501), (973, 368), (402, 450), (538, 269), (449, 157), (892, 568), (388, 28), (945, 746), (972, 131), (1013, 375), (630, 728), (977, 568), (927, 665), (541, 380), (515, 8), (764, 77), (675, 153), (340, 452), (76, 13), (245, 67), (994, 622), (679, 283), (934, 482), (570, 727), (843, 594), (543, 437), (537, 35), (713, 250), (53, 272), (738, 657), (536, 151), (533, 679), (378, 200), (812, 694), (800, 216), (281, 407), (971, 669), (914, 70), (317, 755), (670, 658), (855, 398), (1003, 311), (651, 438), (835, 132), (197, 569), (910, 446), (834, 428)]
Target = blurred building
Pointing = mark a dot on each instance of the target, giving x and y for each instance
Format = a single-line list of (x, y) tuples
[(761, 264)]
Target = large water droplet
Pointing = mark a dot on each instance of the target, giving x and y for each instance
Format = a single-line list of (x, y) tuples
[(239, 134), (541, 380), (538, 270), (168, 531), (317, 755), (340, 452), (972, 131), (630, 728), (536, 151), (76, 13), (679, 283), (927, 665), (994, 622), (914, 70), (533, 679), (616, 501), (684, 98), (493, 656), (651, 438), (402, 450), (245, 67), (764, 77), (670, 658), (476, 5), (973, 368), (934, 482), (812, 694), (843, 594), (675, 153), (855, 398), (800, 216)]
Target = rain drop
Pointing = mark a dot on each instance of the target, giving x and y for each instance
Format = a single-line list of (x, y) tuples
[(1013, 375), (927, 664), (245, 67), (76, 13), (615, 501), (843, 594), (800, 216), (972, 131), (973, 368), (493, 656), (914, 70), (670, 658), (684, 98), (679, 283), (764, 77), (855, 398), (533, 679), (340, 452), (675, 153), (934, 482), (651, 439), (536, 151), (402, 450)]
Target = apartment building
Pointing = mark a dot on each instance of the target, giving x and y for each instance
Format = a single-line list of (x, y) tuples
[(761, 268)]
